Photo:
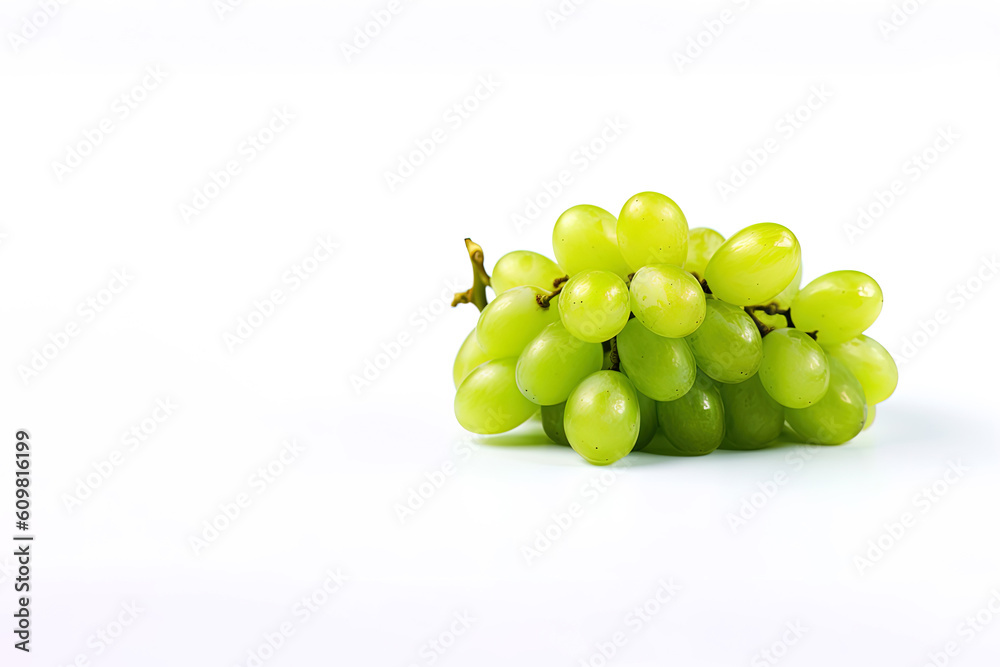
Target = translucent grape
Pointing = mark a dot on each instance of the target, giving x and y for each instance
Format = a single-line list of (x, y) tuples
[(553, 363), (652, 230), (754, 265), (662, 368), (794, 370), (586, 238), (838, 416), (694, 424), (488, 400), (512, 319), (727, 345), (647, 421), (602, 417), (469, 356), (594, 305), (753, 418), (783, 300), (523, 267), (702, 244), (869, 418), (552, 423), (870, 363), (839, 306), (667, 300)]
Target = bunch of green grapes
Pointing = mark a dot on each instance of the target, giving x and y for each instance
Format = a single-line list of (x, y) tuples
[(643, 327)]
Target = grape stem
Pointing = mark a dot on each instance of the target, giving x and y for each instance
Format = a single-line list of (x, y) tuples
[(615, 360), (773, 308), (480, 279), (704, 283), (544, 299)]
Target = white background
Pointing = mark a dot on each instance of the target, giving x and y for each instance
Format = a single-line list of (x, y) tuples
[(334, 507)]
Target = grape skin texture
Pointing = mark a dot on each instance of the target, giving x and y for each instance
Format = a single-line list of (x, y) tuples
[(586, 238), (839, 306), (602, 418), (512, 319), (667, 300), (552, 423), (652, 230), (871, 364), (553, 363), (523, 267), (753, 418), (794, 370), (662, 368), (838, 416), (594, 305), (694, 424), (727, 345), (754, 265), (702, 244), (647, 421), (469, 356), (488, 400)]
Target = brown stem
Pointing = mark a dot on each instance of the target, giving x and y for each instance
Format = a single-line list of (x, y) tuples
[(615, 360), (544, 299), (480, 279), (761, 327), (559, 281)]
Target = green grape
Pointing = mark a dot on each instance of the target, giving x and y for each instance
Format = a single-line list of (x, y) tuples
[(754, 265), (667, 300), (727, 345), (753, 418), (869, 418), (552, 423), (870, 363), (783, 300), (694, 424), (647, 421), (662, 368), (838, 416), (702, 244), (652, 230), (602, 417), (794, 370), (488, 400), (553, 363), (594, 305), (585, 238), (512, 319), (839, 306), (469, 356), (523, 267)]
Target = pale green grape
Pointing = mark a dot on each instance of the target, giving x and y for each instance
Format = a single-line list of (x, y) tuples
[(727, 345), (754, 265), (753, 418), (553, 363), (662, 368), (702, 244), (585, 238), (839, 306), (652, 230), (594, 305), (552, 423), (512, 319), (667, 300), (794, 370), (523, 267), (469, 356), (783, 300), (694, 424), (838, 416), (870, 363), (488, 400), (602, 417), (647, 421), (869, 418)]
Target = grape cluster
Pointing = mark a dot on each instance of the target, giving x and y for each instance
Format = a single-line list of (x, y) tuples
[(642, 325)]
